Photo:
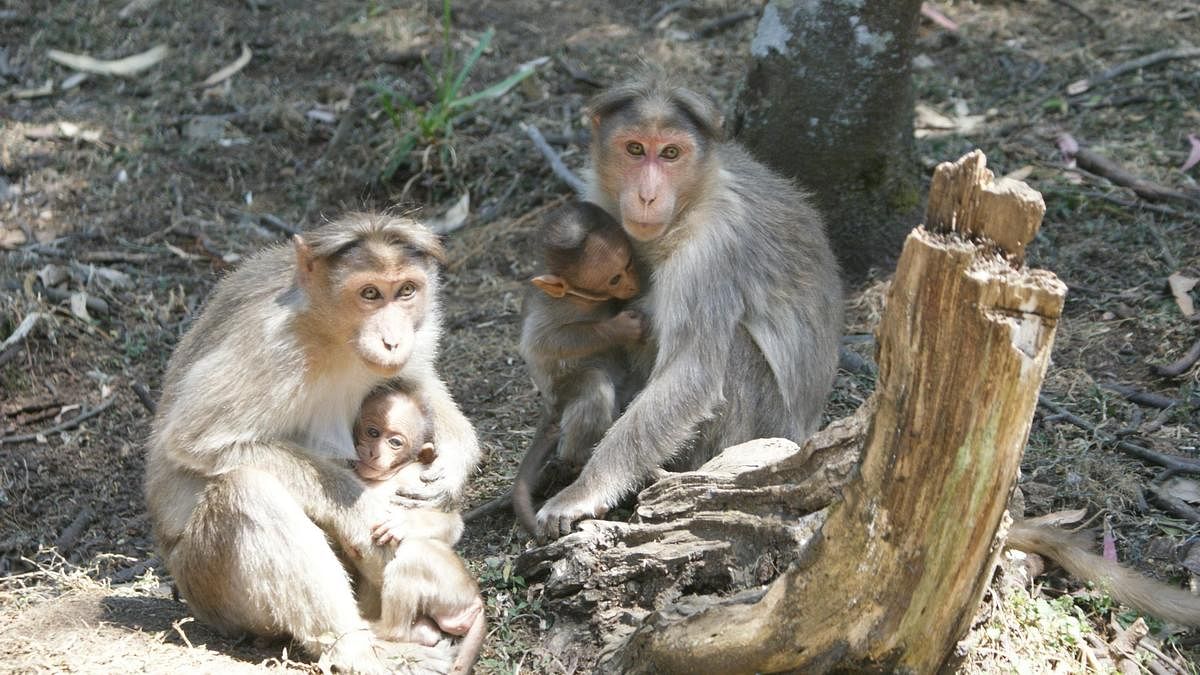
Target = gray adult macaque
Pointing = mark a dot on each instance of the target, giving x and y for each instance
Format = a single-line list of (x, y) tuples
[(248, 474), (744, 303)]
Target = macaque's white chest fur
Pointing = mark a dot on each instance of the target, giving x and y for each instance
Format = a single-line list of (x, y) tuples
[(331, 407)]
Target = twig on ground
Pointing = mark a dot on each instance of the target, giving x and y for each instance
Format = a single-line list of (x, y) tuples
[(1173, 505), (128, 574), (1088, 17), (664, 11), (114, 256), (717, 25), (576, 73), (556, 163), (1137, 451), (145, 397), (1181, 366), (1168, 257), (1104, 167), (66, 540), (67, 425), (275, 222), (23, 330), (1141, 397), (1080, 86)]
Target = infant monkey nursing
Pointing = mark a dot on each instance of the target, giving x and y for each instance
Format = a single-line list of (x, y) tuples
[(427, 590)]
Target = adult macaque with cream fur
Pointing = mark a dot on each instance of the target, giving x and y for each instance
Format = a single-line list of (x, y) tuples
[(744, 302), (425, 590), (248, 472)]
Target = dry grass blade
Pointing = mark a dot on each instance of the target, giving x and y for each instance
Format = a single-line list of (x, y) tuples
[(130, 65), (229, 70)]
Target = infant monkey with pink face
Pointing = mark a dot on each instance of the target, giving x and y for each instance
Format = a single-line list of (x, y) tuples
[(427, 590)]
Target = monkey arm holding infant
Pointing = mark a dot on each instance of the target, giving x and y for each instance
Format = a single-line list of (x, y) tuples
[(247, 468)]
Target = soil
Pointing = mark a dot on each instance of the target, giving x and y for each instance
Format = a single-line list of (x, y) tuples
[(137, 192)]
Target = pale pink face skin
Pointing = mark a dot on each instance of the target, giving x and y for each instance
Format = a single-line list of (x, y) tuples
[(387, 436), (391, 307), (645, 170)]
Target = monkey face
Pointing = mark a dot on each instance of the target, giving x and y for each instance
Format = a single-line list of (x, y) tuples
[(389, 309), (606, 270), (650, 174), (387, 435)]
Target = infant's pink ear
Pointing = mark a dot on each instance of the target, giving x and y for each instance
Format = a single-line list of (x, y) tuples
[(551, 284)]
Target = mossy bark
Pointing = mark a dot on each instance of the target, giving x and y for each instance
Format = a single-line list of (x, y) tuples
[(828, 101)]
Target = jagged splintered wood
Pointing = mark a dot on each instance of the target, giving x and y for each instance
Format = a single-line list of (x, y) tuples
[(900, 564)]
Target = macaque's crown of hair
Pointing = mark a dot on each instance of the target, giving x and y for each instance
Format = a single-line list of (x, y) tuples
[(566, 231), (653, 94), (333, 239), (407, 389)]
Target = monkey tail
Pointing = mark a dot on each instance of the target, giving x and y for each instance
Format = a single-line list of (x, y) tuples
[(472, 643), (1126, 586), (545, 439)]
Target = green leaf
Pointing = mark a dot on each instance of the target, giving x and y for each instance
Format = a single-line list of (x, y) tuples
[(484, 41), (495, 91), (398, 156)]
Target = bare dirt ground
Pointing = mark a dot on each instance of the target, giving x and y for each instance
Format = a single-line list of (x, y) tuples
[(140, 191)]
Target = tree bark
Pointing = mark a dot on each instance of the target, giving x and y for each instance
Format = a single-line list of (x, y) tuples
[(828, 101), (900, 565)]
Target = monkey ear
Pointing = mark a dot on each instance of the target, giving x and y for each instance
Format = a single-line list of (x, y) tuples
[(551, 284), (305, 262)]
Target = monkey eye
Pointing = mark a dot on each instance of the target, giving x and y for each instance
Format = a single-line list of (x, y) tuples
[(406, 291), (634, 148), (396, 442), (615, 280), (370, 293), (372, 432), (670, 152)]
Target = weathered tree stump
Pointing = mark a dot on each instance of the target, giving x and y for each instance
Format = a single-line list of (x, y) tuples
[(888, 576)]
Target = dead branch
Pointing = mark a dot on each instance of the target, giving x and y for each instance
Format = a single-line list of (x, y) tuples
[(719, 24), (556, 163), (1097, 164), (1177, 368), (1144, 454), (146, 398), (66, 540), (65, 426), (1140, 397), (1080, 86)]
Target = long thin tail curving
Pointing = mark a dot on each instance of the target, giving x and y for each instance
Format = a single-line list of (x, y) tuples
[(1124, 585)]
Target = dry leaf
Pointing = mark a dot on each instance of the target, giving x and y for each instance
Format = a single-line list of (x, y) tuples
[(79, 305), (1110, 544), (1185, 489), (1180, 286), (1021, 173), (454, 218), (933, 14), (229, 70), (130, 65), (23, 329), (1068, 146), (1193, 157)]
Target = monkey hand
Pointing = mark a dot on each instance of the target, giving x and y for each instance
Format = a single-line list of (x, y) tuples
[(559, 514), (430, 484), (628, 326)]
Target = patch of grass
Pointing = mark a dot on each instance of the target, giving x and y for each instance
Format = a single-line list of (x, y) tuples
[(432, 124), (510, 612)]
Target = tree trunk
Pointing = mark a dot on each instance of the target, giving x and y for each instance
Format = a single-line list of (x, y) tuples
[(828, 101), (901, 564)]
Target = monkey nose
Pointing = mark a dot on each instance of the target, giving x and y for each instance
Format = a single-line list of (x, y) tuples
[(389, 345), (647, 201)]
